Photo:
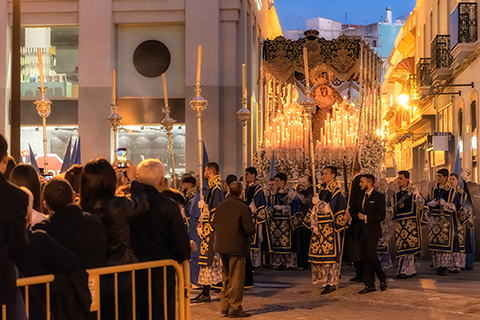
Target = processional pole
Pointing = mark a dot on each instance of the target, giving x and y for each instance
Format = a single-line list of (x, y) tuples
[(310, 106), (43, 109), (244, 116), (199, 104), (114, 119), (168, 123)]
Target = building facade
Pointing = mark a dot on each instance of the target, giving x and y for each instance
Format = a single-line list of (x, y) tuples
[(434, 65), (82, 41)]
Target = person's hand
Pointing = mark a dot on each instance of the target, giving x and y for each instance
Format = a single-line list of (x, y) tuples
[(442, 202), (433, 203), (361, 216), (201, 204), (315, 199), (347, 215), (252, 206), (131, 171), (193, 246), (277, 207)]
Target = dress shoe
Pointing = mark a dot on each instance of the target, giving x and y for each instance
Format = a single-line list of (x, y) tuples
[(402, 276), (442, 271), (201, 298), (355, 279), (412, 275), (454, 271), (328, 289), (367, 290), (240, 314), (225, 313), (383, 285)]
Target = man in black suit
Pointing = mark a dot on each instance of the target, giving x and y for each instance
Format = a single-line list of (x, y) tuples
[(372, 213), (13, 236)]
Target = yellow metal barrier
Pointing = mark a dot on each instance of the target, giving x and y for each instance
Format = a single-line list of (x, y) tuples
[(182, 287)]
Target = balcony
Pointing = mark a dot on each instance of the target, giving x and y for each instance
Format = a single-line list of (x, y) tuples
[(441, 59), (464, 26), (424, 79)]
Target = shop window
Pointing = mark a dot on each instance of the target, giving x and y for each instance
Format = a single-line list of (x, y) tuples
[(59, 51)]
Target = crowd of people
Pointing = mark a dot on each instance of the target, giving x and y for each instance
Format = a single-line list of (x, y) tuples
[(99, 215)]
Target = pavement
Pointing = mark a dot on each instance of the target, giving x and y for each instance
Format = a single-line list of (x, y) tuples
[(290, 294)]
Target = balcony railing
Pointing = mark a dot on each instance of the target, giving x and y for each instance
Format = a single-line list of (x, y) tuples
[(424, 77), (440, 50), (464, 23)]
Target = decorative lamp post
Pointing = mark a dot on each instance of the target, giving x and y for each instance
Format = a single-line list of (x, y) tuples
[(199, 104), (114, 119), (43, 109), (310, 106), (168, 123)]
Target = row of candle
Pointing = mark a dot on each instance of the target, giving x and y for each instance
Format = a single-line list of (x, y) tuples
[(340, 128)]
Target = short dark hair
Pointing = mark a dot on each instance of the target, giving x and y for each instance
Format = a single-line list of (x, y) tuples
[(73, 175), (213, 166), (333, 170), (443, 172), (252, 170), (230, 179), (282, 176), (455, 175), (404, 173), (189, 179), (310, 179), (369, 177), (10, 165), (236, 188), (58, 193), (271, 179), (175, 195), (3, 147)]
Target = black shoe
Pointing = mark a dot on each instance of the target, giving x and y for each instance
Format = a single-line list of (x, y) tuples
[(454, 271), (383, 285), (412, 275), (201, 298), (402, 276), (442, 271), (241, 314), (225, 313), (366, 290), (355, 279), (328, 289)]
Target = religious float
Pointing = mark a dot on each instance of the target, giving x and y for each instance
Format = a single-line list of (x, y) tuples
[(335, 85)]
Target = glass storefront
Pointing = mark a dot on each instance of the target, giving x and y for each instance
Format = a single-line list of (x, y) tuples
[(146, 142)]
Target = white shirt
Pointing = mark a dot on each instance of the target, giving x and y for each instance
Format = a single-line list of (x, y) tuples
[(367, 195)]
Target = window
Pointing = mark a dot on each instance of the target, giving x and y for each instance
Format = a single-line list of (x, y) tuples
[(460, 122), (473, 115)]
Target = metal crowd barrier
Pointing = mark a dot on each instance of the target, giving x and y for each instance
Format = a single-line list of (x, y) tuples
[(182, 288)]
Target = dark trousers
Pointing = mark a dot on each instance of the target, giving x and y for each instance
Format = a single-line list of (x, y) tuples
[(303, 237), (233, 276), (371, 263)]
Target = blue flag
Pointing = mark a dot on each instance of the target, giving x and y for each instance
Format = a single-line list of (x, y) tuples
[(76, 155), (33, 161), (67, 159), (272, 166), (457, 168), (205, 162)]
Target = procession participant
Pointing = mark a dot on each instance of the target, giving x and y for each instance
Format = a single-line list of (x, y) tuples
[(461, 220), (305, 234), (352, 249), (272, 187), (210, 268), (327, 219), (406, 207), (255, 199), (284, 209), (442, 205), (383, 246), (372, 213), (192, 211)]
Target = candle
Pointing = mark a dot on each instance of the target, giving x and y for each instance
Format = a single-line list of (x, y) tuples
[(114, 89), (40, 65), (305, 62), (165, 96), (244, 80), (199, 63)]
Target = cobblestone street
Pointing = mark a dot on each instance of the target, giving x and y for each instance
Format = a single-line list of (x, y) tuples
[(291, 295)]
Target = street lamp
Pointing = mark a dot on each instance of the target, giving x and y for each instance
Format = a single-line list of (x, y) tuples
[(403, 97)]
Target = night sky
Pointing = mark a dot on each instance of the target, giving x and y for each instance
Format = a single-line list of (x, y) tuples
[(293, 14)]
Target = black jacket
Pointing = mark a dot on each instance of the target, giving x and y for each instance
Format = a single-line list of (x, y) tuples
[(79, 232), (13, 236), (159, 232), (233, 226), (374, 209)]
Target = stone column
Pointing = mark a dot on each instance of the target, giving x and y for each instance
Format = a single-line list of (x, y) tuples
[(96, 47)]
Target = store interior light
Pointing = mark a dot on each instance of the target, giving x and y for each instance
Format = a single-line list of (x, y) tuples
[(403, 98)]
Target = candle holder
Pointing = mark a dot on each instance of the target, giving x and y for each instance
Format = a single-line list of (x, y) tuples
[(168, 123), (199, 104), (244, 116), (114, 121), (44, 109), (310, 107)]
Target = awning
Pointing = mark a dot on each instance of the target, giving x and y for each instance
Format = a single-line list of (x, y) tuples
[(420, 122)]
